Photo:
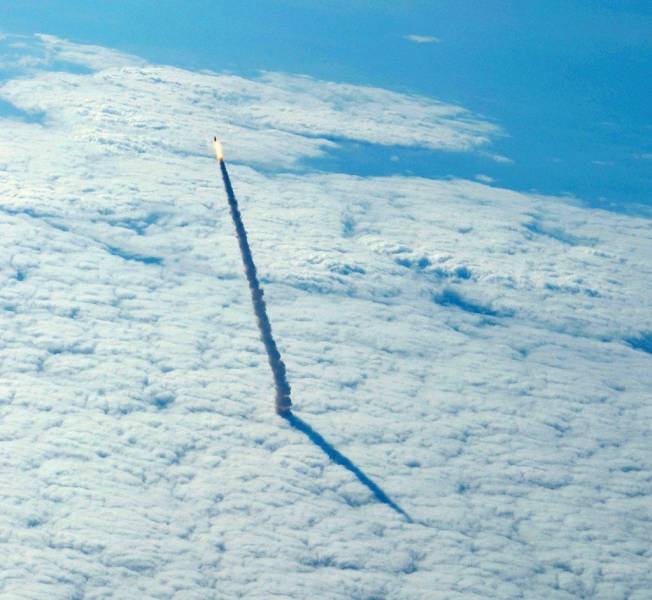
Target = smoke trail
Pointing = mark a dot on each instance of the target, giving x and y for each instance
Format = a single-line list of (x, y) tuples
[(283, 401), (338, 458)]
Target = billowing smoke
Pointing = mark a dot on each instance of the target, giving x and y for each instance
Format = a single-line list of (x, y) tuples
[(283, 401)]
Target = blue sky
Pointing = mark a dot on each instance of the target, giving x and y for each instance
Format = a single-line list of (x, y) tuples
[(568, 81)]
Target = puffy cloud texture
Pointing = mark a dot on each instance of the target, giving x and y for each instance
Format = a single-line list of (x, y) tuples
[(483, 355)]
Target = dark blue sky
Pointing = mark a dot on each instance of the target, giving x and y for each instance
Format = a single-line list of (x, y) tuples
[(568, 80)]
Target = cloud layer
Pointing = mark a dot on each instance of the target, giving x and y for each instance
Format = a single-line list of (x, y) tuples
[(276, 118), (479, 353)]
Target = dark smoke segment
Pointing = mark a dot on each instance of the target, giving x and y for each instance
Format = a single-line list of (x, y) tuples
[(283, 401), (338, 458)]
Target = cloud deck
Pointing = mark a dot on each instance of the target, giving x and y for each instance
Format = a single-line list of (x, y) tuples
[(511, 420)]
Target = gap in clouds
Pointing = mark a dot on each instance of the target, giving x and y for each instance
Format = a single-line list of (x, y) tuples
[(378, 160), (10, 111), (642, 342)]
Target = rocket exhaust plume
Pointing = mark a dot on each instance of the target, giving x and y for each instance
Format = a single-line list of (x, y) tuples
[(283, 401), (219, 153)]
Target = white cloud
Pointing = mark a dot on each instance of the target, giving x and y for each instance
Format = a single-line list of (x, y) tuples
[(500, 158), (471, 348), (57, 50), (422, 39), (484, 178), (280, 111)]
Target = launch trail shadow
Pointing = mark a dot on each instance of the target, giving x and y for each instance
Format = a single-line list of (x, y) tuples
[(277, 366), (338, 458)]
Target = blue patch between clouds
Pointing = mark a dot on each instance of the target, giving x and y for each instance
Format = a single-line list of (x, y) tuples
[(643, 342), (449, 297), (11, 111), (146, 260)]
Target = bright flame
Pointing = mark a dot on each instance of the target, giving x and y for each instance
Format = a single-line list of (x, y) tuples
[(219, 153)]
